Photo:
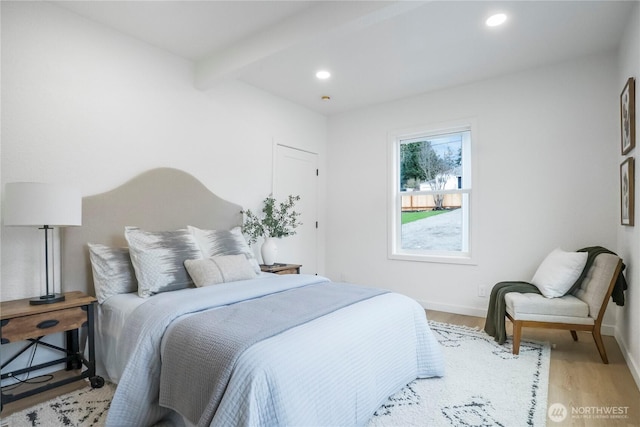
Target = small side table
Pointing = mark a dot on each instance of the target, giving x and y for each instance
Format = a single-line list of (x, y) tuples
[(281, 268), (21, 321)]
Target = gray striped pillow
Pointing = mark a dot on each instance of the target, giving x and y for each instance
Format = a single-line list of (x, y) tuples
[(224, 242), (158, 259), (112, 271)]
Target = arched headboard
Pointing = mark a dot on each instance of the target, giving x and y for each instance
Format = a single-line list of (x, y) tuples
[(158, 200)]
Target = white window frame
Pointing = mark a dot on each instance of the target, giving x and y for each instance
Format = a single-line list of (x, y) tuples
[(395, 251)]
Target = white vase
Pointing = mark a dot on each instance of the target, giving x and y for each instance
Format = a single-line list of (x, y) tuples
[(269, 251)]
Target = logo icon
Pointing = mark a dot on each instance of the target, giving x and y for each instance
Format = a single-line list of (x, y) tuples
[(557, 412)]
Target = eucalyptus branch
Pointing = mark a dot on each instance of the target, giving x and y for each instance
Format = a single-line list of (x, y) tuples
[(278, 220)]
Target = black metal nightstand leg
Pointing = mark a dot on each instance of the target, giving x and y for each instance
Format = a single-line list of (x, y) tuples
[(73, 350)]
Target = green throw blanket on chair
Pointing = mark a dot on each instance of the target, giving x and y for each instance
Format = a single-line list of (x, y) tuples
[(495, 323)]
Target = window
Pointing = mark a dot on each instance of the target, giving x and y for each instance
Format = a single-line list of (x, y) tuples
[(431, 195)]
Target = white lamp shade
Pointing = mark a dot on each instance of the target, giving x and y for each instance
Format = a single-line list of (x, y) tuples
[(38, 204)]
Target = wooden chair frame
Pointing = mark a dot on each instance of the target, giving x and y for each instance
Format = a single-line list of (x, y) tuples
[(594, 329)]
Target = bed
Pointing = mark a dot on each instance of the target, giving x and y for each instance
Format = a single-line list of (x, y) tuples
[(253, 349)]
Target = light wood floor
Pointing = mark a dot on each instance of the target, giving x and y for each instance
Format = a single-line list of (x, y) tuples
[(577, 377)]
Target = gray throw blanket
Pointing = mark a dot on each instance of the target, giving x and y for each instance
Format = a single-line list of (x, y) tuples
[(215, 339), (496, 312)]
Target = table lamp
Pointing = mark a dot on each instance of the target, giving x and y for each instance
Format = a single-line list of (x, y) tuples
[(34, 204)]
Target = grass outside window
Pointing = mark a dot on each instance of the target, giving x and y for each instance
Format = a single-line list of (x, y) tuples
[(415, 216)]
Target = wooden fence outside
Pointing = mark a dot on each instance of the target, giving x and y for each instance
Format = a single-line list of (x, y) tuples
[(426, 202)]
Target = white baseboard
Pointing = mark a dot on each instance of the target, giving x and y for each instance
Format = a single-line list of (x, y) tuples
[(608, 330), (633, 366), (456, 309)]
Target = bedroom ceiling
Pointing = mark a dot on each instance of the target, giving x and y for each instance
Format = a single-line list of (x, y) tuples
[(376, 51)]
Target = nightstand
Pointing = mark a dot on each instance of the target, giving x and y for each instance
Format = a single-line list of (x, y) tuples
[(281, 268), (21, 321)]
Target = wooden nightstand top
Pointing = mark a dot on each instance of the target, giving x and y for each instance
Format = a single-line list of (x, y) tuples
[(22, 307), (281, 268)]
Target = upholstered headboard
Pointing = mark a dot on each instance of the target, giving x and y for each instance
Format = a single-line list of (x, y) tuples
[(158, 200)]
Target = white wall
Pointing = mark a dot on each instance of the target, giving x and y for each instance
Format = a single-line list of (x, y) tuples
[(547, 177), (88, 106), (628, 324)]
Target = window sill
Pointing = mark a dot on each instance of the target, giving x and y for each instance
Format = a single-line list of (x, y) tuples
[(463, 258)]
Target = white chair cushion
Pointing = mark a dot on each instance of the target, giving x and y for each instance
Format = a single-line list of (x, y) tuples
[(567, 309)]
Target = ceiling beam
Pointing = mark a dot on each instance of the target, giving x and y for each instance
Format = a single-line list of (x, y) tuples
[(328, 19)]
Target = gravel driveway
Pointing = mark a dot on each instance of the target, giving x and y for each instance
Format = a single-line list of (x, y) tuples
[(440, 233)]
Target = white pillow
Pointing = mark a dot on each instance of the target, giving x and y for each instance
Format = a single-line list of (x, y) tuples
[(219, 269), (558, 272)]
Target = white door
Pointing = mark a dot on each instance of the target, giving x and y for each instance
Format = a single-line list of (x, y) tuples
[(295, 173)]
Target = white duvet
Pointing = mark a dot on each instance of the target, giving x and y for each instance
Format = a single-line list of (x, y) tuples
[(335, 370)]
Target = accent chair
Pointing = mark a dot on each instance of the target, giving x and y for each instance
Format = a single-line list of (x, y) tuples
[(581, 311)]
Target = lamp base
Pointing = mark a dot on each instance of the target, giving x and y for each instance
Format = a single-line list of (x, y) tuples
[(47, 299)]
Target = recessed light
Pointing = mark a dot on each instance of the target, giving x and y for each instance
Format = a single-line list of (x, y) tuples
[(323, 74), (495, 20)]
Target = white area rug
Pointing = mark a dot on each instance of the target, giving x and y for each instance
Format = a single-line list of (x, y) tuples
[(84, 407), (484, 385)]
